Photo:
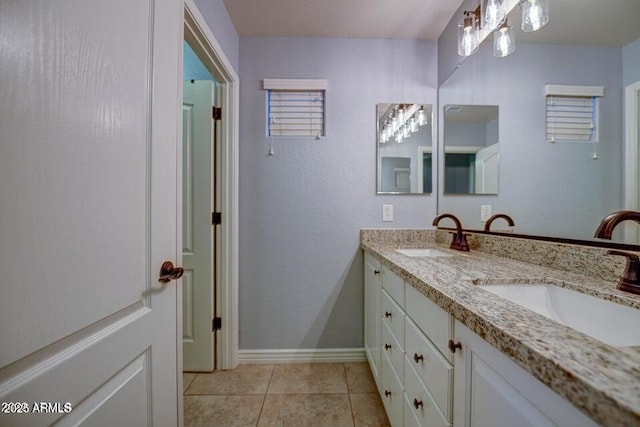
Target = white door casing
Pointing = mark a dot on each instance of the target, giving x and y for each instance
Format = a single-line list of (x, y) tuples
[(197, 230), (89, 185)]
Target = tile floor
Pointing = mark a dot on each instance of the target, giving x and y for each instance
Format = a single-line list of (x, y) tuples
[(317, 394)]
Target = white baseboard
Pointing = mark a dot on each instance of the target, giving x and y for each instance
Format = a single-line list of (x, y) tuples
[(330, 355)]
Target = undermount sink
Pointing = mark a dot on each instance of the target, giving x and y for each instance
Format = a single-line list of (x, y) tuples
[(429, 253), (611, 323)]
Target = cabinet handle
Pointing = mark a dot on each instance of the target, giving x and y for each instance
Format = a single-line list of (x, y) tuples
[(417, 358), (387, 314), (417, 403), (453, 346), (376, 272), (387, 346), (387, 393)]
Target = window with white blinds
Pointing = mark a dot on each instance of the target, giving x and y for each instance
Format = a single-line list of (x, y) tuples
[(295, 107), (572, 113)]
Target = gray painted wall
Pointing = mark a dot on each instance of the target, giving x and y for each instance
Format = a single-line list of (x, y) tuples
[(301, 210), (552, 189), (219, 22), (631, 63)]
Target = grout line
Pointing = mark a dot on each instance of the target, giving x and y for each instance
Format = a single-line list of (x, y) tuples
[(184, 393), (264, 397)]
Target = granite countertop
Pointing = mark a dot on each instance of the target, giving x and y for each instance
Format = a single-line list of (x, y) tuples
[(600, 380)]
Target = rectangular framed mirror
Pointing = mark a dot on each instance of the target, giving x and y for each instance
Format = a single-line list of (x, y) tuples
[(404, 148)]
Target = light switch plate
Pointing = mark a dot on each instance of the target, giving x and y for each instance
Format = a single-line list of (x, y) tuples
[(485, 212), (387, 213)]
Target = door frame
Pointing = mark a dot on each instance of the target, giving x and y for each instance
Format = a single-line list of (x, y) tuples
[(199, 36), (631, 175)]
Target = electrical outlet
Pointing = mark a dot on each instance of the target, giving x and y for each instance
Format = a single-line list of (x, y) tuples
[(485, 212), (387, 213)]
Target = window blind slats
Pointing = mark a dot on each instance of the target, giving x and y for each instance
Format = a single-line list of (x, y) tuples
[(296, 113), (571, 118)]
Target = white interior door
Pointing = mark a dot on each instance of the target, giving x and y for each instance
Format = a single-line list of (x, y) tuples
[(198, 203), (487, 170), (88, 190)]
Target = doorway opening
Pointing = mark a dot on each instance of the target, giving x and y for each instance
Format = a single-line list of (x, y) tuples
[(201, 41)]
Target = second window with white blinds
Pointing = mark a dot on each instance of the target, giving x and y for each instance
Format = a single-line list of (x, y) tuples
[(572, 113), (295, 107)]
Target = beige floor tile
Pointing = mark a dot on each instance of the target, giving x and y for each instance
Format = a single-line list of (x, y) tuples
[(359, 378), (227, 411), (187, 378), (308, 378), (309, 410), (245, 379), (368, 410)]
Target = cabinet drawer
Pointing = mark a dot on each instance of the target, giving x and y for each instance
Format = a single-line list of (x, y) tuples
[(421, 403), (436, 323), (433, 369), (393, 316), (394, 285), (392, 392), (393, 350)]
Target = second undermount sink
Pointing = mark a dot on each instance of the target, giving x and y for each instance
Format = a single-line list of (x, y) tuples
[(425, 253), (611, 323)]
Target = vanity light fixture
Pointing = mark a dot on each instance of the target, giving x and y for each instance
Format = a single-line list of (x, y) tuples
[(535, 14), (504, 44), (468, 33), (491, 16), (494, 13)]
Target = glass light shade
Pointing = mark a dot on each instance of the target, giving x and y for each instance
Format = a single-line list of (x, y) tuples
[(399, 138), (401, 115), (422, 118), (468, 39), (494, 13), (535, 14), (413, 125), (406, 132), (394, 124), (504, 43)]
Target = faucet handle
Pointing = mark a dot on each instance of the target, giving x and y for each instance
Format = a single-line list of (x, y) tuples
[(630, 279)]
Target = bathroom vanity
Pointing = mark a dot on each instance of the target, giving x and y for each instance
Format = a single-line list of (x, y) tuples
[(445, 350)]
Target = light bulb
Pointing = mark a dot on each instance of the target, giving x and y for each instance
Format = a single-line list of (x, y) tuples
[(468, 40), (494, 13), (535, 15), (413, 125), (422, 118), (503, 42)]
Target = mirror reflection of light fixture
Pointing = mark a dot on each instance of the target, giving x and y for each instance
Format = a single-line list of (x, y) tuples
[(468, 37), (504, 44), (535, 14), (400, 122), (494, 13)]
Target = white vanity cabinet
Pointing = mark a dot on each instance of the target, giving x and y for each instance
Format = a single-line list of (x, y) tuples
[(413, 374), (492, 390)]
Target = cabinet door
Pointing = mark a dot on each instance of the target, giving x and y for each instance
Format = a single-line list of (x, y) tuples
[(372, 288), (491, 390)]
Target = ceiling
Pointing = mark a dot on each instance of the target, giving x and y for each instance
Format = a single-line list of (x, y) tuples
[(590, 22)]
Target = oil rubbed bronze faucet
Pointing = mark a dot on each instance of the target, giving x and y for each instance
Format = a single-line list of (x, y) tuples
[(630, 279), (487, 225), (459, 240)]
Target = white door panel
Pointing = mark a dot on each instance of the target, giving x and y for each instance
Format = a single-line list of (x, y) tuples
[(198, 237), (88, 184)]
